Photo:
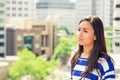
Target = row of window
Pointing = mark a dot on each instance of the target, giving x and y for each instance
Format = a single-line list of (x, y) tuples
[(19, 2), (20, 15), (19, 46), (19, 37), (14, 8)]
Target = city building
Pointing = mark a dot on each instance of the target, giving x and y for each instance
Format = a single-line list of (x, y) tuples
[(39, 36), (100, 8), (68, 12), (18, 39), (24, 9), (61, 10), (2, 29), (116, 24)]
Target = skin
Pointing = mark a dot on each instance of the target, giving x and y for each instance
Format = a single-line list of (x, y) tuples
[(86, 37)]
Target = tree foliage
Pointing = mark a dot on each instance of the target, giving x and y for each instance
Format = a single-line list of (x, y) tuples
[(29, 64), (64, 48), (64, 28)]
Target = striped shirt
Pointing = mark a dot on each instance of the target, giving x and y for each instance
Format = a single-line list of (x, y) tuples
[(105, 70)]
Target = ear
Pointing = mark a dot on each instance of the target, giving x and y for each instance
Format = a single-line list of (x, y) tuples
[(95, 37)]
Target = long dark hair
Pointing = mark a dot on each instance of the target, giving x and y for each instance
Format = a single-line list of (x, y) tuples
[(99, 46)]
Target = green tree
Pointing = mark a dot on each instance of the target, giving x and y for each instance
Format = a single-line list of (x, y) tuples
[(64, 48), (64, 28), (28, 64), (109, 39)]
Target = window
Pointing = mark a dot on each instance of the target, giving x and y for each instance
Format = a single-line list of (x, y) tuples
[(26, 9), (37, 46), (13, 2), (20, 2), (8, 14), (8, 8), (2, 54), (1, 43), (46, 40), (19, 15), (43, 52), (13, 8), (19, 47), (118, 6), (19, 9), (26, 15), (26, 2), (1, 12), (42, 27), (37, 37), (1, 28), (1, 5), (117, 18), (1, 20), (19, 37), (1, 36), (117, 44), (13, 14)]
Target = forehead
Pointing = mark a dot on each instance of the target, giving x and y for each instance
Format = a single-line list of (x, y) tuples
[(85, 24)]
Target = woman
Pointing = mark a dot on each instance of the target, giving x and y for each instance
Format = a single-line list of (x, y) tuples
[(91, 61)]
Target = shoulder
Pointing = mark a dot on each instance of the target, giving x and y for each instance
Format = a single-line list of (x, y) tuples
[(106, 62)]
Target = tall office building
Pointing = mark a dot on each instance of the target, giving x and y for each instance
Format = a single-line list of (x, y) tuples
[(100, 8), (61, 10), (23, 9), (116, 24), (2, 29), (69, 13)]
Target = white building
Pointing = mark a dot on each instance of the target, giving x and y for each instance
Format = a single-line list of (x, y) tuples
[(100, 8), (2, 29), (23, 9), (116, 24), (61, 10)]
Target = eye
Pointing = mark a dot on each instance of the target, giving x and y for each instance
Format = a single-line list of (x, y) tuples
[(85, 31)]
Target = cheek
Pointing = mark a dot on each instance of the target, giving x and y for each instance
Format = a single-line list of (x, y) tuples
[(90, 37)]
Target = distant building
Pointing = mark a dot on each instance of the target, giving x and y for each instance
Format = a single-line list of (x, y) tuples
[(100, 8), (38, 36), (61, 10), (18, 39), (25, 9), (116, 24), (2, 29)]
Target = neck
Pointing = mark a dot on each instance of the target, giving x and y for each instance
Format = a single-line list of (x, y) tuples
[(86, 51)]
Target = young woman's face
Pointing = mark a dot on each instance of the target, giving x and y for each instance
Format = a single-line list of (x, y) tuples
[(86, 35)]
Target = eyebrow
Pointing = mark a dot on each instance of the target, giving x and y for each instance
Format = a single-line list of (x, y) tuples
[(82, 28)]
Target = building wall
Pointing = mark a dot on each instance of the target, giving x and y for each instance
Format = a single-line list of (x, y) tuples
[(20, 9), (2, 29), (116, 24), (62, 11), (16, 40), (48, 31)]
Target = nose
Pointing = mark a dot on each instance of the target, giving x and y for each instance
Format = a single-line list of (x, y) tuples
[(80, 33)]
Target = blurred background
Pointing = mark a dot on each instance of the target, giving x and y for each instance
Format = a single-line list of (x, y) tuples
[(38, 36)]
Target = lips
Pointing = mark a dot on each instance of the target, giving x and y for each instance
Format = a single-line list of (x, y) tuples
[(79, 39)]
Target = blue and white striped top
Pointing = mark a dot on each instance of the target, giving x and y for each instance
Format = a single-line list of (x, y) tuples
[(105, 68)]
